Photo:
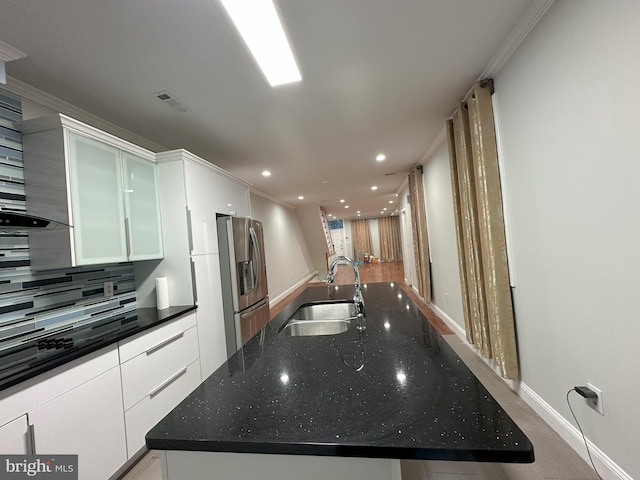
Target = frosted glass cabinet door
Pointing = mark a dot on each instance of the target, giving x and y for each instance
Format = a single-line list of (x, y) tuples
[(97, 204), (142, 208)]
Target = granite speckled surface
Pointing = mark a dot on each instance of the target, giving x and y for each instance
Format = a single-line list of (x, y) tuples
[(34, 357), (396, 391)]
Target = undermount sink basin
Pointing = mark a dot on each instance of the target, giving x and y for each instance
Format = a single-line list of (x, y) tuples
[(320, 319)]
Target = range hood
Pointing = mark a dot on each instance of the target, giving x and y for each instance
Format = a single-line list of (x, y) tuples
[(22, 223)]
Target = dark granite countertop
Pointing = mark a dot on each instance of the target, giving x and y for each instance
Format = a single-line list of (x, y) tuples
[(396, 391), (28, 359)]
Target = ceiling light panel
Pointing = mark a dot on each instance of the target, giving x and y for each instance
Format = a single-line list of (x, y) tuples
[(261, 29)]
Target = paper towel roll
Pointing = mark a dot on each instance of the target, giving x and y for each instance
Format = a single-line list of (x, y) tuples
[(162, 293)]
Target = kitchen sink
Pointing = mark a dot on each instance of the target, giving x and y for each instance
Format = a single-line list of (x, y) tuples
[(320, 319)]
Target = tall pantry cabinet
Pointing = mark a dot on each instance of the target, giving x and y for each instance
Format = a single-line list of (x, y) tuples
[(192, 192)]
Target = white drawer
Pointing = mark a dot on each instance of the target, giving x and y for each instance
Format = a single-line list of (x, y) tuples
[(150, 339), (150, 370), (146, 413)]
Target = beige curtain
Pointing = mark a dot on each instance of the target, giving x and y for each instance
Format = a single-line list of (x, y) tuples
[(419, 228), (477, 197), (361, 238), (390, 248)]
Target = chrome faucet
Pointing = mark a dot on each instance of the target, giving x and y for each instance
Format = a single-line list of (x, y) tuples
[(358, 300)]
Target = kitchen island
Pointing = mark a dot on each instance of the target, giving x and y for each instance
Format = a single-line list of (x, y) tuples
[(348, 405)]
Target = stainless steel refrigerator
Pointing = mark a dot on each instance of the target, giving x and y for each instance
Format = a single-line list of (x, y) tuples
[(243, 272)]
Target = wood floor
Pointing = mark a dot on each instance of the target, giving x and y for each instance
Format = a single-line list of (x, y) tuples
[(554, 458)]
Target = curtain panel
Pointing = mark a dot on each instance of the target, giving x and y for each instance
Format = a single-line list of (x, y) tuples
[(419, 228), (390, 247), (361, 238), (477, 198)]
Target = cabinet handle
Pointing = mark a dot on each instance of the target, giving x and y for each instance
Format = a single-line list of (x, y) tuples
[(189, 233), (127, 236), (32, 439), (167, 382), (194, 284), (164, 343)]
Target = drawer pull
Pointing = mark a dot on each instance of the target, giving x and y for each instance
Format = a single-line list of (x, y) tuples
[(163, 343), (32, 439), (167, 382)]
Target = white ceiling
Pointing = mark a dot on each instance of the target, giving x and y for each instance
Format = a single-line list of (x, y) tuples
[(378, 76)]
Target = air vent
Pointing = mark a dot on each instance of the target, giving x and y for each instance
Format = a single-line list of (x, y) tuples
[(389, 174), (171, 100)]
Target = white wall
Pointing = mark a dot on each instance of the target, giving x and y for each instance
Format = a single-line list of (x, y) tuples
[(408, 254), (442, 235), (569, 110), (286, 249), (309, 219), (374, 234)]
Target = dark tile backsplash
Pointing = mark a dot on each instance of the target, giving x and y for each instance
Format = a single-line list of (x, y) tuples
[(40, 303)]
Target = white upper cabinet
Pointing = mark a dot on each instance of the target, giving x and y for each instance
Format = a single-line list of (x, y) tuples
[(202, 195), (103, 187), (97, 204), (205, 190), (142, 208)]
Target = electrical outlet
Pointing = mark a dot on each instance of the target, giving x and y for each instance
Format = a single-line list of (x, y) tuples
[(596, 403), (108, 289)]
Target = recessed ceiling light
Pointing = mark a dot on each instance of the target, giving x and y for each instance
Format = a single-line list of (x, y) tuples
[(300, 197), (342, 200), (346, 206), (266, 173), (390, 201), (358, 214), (381, 157), (375, 187), (358, 211), (384, 209), (262, 31)]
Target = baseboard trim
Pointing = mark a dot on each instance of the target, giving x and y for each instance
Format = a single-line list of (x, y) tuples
[(607, 468), (451, 323), (279, 298)]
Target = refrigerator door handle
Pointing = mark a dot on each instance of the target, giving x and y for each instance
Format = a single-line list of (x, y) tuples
[(256, 249)]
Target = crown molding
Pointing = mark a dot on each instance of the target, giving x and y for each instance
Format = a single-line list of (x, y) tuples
[(262, 194), (529, 20), (25, 90), (185, 155), (440, 137), (9, 53)]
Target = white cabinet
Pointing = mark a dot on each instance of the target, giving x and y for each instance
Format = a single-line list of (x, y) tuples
[(201, 199), (159, 369), (192, 193), (102, 186), (97, 203), (14, 437), (142, 208), (87, 421), (213, 347)]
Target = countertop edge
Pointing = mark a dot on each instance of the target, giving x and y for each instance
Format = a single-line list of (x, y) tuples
[(164, 316), (526, 455)]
